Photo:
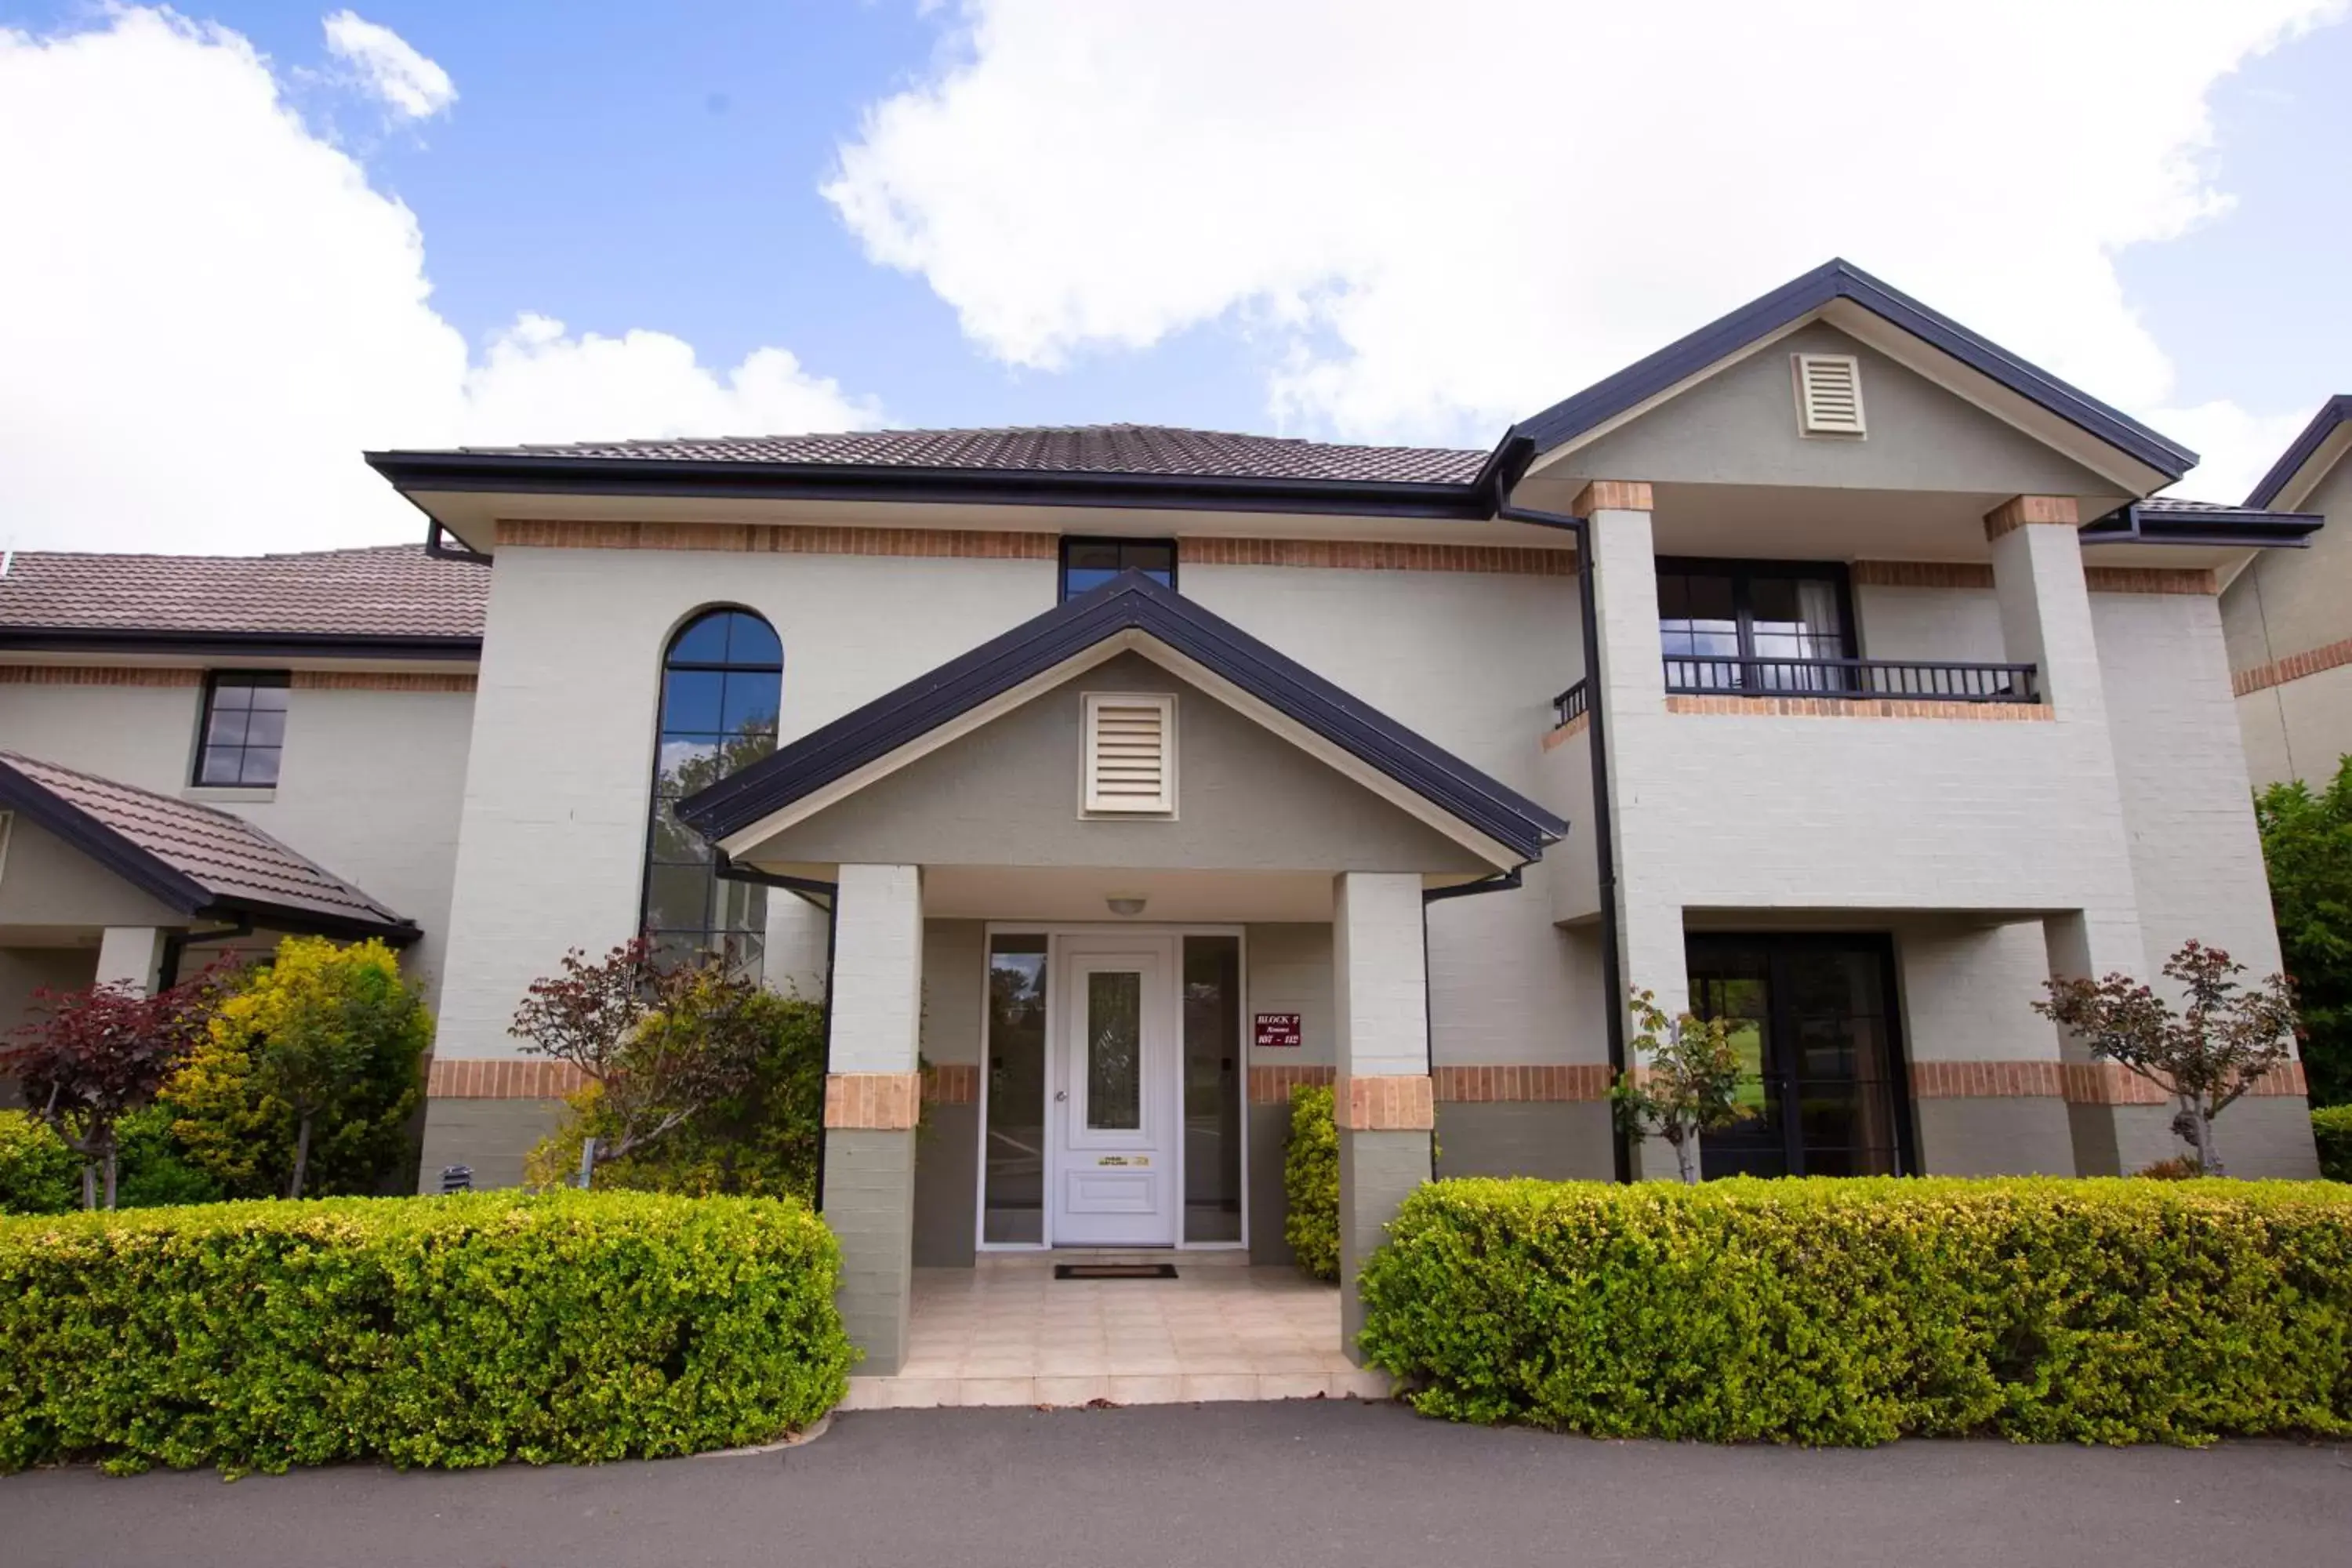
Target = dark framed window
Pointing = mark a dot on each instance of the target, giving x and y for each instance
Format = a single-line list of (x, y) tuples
[(1814, 1020), (242, 735), (1090, 562), (723, 682), (1735, 626)]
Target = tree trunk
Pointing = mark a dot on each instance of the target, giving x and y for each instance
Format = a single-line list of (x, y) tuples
[(587, 1161), (2209, 1155), (1687, 1157), (301, 1159), (89, 1186), (110, 1175)]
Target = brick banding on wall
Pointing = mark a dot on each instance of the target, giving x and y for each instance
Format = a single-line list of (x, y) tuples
[(1860, 708), (1388, 1102), (779, 539), (1612, 495), (2111, 1083), (1549, 1083), (380, 680), (2151, 580), (1560, 734), (1987, 1081), (873, 1101), (96, 675), (2019, 512), (1272, 1086), (2294, 666), (1921, 573), (951, 1083), (509, 1078), (1375, 555)]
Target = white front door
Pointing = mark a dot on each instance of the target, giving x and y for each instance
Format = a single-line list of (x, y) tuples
[(1113, 1112)]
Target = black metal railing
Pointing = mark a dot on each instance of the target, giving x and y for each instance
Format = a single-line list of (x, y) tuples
[(1571, 704), (1857, 679)]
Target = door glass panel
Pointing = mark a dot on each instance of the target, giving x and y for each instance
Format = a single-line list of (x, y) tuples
[(1115, 1050), (1014, 1191), (1212, 1088)]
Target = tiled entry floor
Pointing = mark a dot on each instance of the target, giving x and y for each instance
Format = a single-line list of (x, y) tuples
[(1008, 1332)]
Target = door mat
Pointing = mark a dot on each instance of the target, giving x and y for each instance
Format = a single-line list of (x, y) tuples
[(1114, 1271)]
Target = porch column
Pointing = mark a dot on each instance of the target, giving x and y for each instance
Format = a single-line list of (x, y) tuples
[(2045, 607), (871, 1094), (1384, 1100), (132, 956), (1632, 690)]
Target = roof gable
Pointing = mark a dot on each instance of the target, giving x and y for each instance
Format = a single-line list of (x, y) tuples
[(1128, 611), (2308, 459), (1850, 299)]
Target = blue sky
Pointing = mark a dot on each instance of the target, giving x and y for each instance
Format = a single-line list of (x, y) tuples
[(659, 170)]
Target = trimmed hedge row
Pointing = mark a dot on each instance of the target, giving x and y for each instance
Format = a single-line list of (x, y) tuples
[(2331, 1129), (1854, 1311), (447, 1330), (1311, 1181)]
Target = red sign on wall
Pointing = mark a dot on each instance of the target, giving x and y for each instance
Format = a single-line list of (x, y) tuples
[(1277, 1029)]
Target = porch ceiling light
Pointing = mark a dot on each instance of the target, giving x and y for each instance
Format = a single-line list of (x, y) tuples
[(1125, 905)]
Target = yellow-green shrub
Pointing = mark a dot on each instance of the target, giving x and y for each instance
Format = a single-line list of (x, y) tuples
[(2331, 1129), (38, 1174), (450, 1331), (1833, 1312), (1310, 1180)]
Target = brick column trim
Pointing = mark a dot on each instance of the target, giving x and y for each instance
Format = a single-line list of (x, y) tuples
[(2018, 511), (873, 1101), (1389, 1102), (1612, 495)]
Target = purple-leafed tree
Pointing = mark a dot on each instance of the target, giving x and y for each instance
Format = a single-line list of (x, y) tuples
[(96, 1054), (2205, 1055)]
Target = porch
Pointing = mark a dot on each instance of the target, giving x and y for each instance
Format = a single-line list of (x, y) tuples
[(1007, 1333)]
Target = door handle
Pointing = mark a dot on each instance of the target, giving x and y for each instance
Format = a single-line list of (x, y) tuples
[(1060, 1095)]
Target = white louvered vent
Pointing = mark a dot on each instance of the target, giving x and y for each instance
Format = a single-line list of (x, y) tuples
[(1131, 753), (1829, 394)]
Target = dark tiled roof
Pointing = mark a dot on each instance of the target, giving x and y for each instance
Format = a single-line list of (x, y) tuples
[(390, 591), (194, 858), (1155, 449)]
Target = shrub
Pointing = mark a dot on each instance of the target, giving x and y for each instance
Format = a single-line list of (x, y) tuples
[(759, 1140), (454, 1332), (312, 1066), (1310, 1180), (38, 1174), (1854, 1311), (2331, 1129)]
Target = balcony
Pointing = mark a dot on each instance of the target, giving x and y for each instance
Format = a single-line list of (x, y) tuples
[(1857, 679)]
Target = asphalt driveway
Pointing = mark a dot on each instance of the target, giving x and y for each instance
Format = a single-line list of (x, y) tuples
[(1263, 1485)]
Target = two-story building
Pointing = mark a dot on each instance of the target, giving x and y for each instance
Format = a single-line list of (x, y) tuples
[(2289, 618), (1828, 671)]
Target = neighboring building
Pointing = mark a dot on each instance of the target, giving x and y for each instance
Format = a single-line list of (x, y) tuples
[(1118, 779), (2289, 617)]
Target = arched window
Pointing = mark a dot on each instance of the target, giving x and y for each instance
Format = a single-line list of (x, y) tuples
[(721, 682)]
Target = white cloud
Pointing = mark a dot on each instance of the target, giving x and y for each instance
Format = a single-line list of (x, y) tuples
[(1440, 218), (210, 313), (411, 85)]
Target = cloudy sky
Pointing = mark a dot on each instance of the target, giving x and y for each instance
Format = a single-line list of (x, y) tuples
[(245, 242)]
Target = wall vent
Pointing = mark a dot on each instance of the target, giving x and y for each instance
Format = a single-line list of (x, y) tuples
[(1829, 394), (1130, 753)]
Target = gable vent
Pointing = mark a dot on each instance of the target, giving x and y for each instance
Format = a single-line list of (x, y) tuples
[(1829, 394), (1130, 759)]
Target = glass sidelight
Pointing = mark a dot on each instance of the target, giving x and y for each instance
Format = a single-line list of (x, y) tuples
[(1013, 1189), (1212, 1088), (1812, 1021)]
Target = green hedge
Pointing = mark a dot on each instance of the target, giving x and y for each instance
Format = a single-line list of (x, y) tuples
[(1310, 1180), (446, 1331), (38, 1174), (2331, 1129), (1845, 1311)]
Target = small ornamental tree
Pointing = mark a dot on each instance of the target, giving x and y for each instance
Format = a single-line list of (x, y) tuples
[(100, 1054), (2205, 1056), (1689, 1086), (661, 1045)]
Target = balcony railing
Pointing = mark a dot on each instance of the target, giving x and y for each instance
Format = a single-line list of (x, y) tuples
[(1572, 703), (1860, 679)]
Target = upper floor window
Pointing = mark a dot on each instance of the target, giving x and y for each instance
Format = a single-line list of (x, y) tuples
[(1090, 562), (244, 729), (723, 682), (1733, 625)]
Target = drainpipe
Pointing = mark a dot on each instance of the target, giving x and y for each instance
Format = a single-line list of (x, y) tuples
[(1511, 462), (825, 896)]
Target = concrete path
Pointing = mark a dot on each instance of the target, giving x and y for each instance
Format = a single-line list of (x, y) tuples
[(1257, 1484)]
